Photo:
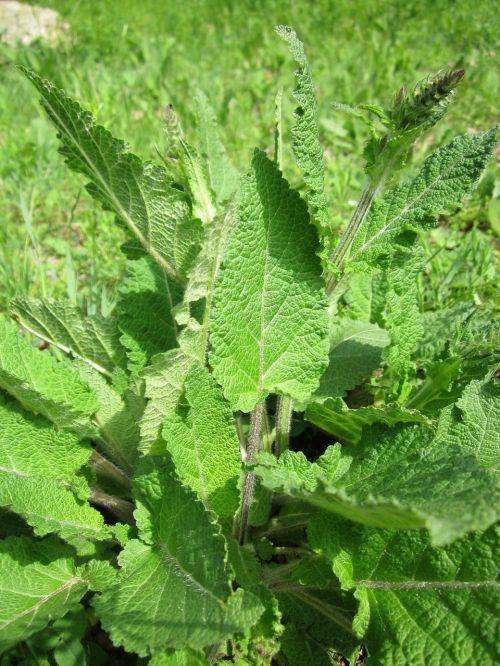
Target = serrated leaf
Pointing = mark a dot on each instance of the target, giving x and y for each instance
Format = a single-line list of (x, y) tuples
[(475, 423), (306, 145), (437, 487), (164, 384), (221, 175), (447, 176), (174, 593), (335, 418), (418, 604), (42, 384), (95, 340), (269, 325), (38, 476), (204, 444), (401, 316), (355, 351), (38, 582), (145, 312), (116, 419), (140, 194)]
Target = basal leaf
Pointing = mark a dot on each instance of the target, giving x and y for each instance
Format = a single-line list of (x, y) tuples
[(204, 444), (39, 582), (145, 312), (173, 591), (95, 340), (437, 487), (38, 476), (42, 384), (335, 418), (140, 194), (306, 144), (355, 351), (418, 604), (269, 325), (447, 176)]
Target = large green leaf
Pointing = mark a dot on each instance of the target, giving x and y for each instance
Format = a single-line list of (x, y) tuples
[(447, 176), (355, 351), (42, 384), (145, 312), (419, 605), (140, 194), (39, 582), (173, 591), (204, 444), (269, 325), (399, 477), (307, 148), (95, 340), (38, 476)]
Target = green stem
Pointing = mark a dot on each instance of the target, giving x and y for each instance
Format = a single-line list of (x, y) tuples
[(104, 467), (122, 509), (371, 189), (284, 412), (254, 446), (359, 216)]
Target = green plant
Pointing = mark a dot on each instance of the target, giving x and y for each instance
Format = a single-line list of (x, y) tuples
[(243, 331)]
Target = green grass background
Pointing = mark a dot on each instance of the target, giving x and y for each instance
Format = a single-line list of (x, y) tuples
[(127, 59)]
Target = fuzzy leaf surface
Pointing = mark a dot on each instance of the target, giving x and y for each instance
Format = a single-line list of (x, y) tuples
[(38, 475), (222, 177), (418, 604), (164, 383), (335, 418), (116, 419), (39, 582), (474, 422), (269, 326), (355, 351), (173, 591), (437, 487), (41, 383), (204, 444), (140, 194), (95, 340), (447, 176), (145, 312)]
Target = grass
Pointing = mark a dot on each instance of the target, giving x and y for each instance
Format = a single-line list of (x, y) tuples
[(126, 60)]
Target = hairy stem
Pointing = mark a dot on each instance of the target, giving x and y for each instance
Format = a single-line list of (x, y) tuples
[(122, 509), (284, 412), (359, 216), (375, 183), (254, 446), (104, 467)]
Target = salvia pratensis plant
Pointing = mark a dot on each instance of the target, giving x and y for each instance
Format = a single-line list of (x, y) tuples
[(262, 457)]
